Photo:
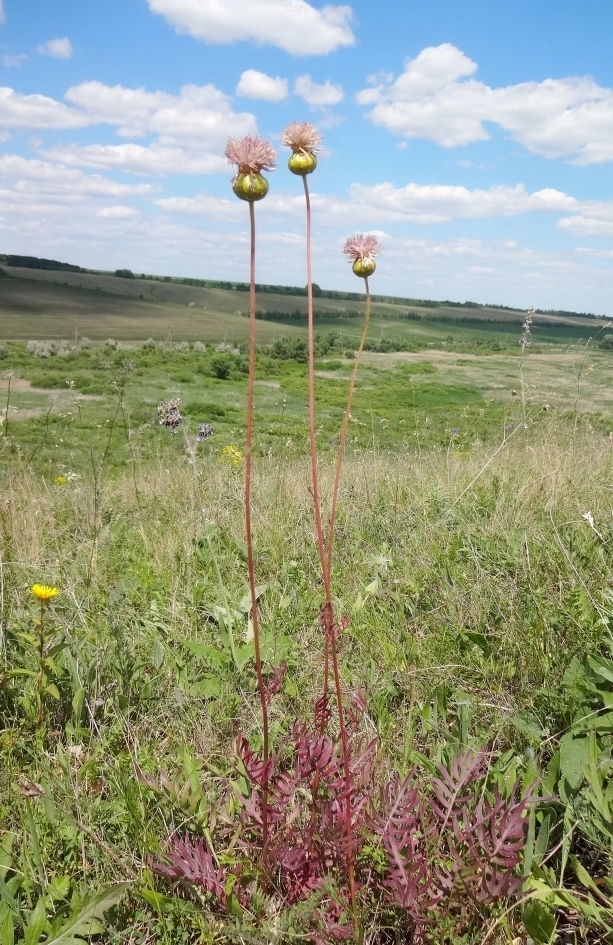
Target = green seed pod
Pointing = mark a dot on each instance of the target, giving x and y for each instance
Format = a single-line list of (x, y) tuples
[(302, 163), (250, 186), (364, 267)]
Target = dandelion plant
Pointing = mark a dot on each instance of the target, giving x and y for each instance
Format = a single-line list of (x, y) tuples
[(251, 155)]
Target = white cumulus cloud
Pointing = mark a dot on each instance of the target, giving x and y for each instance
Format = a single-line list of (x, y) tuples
[(254, 84), (199, 116), (418, 204), (318, 95), (56, 48), (37, 111), (118, 212), (138, 159), (292, 25), (437, 98), (440, 203), (190, 129), (34, 186)]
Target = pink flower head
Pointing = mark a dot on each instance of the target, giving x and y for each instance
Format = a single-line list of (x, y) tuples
[(361, 246), (251, 154), (300, 136)]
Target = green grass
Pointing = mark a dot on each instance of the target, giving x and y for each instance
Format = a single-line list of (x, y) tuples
[(465, 609), (464, 561)]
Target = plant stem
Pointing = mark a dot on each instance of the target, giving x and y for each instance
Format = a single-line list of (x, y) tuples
[(6, 409), (325, 571), (250, 562), (333, 648), (41, 656), (341, 445)]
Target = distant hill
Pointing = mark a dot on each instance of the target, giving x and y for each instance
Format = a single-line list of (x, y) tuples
[(33, 262), (275, 302)]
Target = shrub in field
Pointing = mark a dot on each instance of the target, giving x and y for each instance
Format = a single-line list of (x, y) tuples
[(222, 365), (41, 349)]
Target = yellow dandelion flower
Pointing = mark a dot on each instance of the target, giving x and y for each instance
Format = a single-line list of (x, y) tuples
[(231, 455), (60, 480), (44, 593)]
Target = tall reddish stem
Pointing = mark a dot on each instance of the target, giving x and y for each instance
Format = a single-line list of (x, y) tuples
[(329, 624), (325, 571), (250, 561), (344, 428)]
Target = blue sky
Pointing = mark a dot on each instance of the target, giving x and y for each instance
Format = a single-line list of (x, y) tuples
[(476, 139)]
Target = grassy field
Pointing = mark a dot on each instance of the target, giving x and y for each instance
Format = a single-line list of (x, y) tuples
[(472, 562)]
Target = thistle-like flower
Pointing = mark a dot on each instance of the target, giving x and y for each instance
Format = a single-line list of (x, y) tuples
[(251, 155), (303, 138), (360, 250)]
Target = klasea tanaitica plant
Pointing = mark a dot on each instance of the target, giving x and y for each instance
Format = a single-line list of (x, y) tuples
[(313, 809), (360, 250), (304, 139), (251, 155)]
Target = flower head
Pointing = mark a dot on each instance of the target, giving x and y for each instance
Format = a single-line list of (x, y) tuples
[(169, 414), (205, 430), (360, 250), (301, 137), (60, 480), (361, 246), (44, 593), (251, 154)]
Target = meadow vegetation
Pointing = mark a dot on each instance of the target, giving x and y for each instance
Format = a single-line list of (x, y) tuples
[(478, 597), (217, 723)]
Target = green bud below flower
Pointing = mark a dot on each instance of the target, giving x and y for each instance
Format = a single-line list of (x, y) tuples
[(250, 186), (364, 267), (302, 163)]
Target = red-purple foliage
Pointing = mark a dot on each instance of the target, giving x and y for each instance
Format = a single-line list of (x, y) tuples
[(449, 843), (191, 860), (307, 806)]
